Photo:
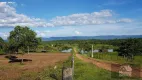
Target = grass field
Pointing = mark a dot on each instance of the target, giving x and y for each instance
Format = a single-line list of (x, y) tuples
[(52, 70), (88, 71), (112, 57), (82, 71)]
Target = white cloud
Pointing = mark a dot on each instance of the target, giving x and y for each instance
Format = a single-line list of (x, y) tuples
[(4, 35), (91, 30), (77, 32), (10, 18), (10, 3), (125, 20), (102, 17), (42, 33)]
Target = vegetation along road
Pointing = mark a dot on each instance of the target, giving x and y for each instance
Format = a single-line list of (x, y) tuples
[(109, 66)]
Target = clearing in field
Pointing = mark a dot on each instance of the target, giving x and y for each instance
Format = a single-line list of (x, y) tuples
[(14, 70)]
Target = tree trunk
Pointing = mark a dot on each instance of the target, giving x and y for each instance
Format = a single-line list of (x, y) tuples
[(28, 49), (16, 50), (22, 60)]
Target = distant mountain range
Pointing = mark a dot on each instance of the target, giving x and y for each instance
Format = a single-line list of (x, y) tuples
[(92, 37)]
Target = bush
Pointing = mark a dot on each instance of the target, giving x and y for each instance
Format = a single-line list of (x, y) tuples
[(1, 52)]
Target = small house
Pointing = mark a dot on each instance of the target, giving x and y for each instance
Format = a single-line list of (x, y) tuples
[(96, 51), (82, 52), (66, 51), (110, 50)]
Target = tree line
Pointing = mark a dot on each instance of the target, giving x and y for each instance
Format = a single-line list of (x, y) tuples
[(23, 39), (127, 48)]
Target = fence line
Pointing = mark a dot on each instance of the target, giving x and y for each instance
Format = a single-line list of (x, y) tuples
[(68, 73)]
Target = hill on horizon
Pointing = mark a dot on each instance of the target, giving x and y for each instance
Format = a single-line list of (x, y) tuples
[(106, 37)]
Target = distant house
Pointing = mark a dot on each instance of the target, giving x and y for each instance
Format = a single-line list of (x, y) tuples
[(82, 51), (110, 50), (102, 50), (66, 51), (96, 50)]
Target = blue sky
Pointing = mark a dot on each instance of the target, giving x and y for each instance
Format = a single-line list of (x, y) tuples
[(54, 18)]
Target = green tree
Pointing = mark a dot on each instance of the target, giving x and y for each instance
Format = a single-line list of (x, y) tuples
[(2, 43), (22, 38), (129, 48), (85, 46)]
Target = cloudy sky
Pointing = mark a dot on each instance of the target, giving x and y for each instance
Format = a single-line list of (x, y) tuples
[(54, 18)]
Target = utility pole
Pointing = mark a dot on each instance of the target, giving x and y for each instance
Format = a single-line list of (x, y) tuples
[(92, 52), (72, 66)]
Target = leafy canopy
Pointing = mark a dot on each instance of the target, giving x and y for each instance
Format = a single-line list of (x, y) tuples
[(21, 38), (130, 48)]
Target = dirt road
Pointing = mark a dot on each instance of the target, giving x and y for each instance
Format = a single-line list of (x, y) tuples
[(136, 72)]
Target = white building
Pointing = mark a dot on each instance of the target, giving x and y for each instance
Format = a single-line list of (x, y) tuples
[(110, 50), (96, 50), (66, 51)]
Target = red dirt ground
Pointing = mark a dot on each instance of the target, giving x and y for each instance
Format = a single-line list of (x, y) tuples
[(9, 71), (109, 66)]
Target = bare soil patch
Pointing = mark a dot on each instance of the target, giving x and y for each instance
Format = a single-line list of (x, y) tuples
[(11, 71)]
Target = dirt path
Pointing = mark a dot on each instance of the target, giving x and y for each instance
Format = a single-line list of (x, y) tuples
[(110, 66)]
